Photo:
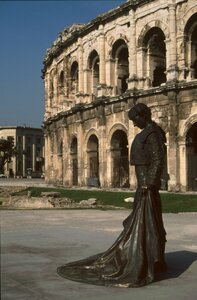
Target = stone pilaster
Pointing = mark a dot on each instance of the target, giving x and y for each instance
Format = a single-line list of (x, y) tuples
[(140, 72), (102, 156), (55, 86), (102, 66), (110, 76), (172, 69), (172, 143), (132, 80), (183, 165), (80, 93)]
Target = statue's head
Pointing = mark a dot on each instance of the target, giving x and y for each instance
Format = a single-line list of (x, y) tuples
[(140, 114)]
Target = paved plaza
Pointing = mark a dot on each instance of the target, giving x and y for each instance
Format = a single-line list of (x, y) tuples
[(35, 242)]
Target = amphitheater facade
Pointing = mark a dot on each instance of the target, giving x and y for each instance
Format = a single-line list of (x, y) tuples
[(142, 51)]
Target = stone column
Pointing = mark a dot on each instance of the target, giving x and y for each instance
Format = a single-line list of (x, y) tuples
[(67, 158), (172, 69), (189, 59), (102, 56), (108, 175), (102, 156), (140, 64), (81, 72), (110, 76), (80, 154), (132, 80), (87, 84), (182, 59), (149, 76), (183, 166), (172, 143), (55, 97), (47, 93), (102, 68)]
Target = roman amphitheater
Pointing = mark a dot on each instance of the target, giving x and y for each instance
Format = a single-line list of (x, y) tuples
[(141, 51)]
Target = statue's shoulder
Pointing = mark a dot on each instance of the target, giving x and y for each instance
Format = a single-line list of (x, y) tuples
[(149, 129), (153, 128)]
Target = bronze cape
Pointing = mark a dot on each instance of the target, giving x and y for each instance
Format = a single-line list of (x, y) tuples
[(138, 252)]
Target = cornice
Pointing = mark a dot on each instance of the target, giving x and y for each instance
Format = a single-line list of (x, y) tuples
[(130, 94)]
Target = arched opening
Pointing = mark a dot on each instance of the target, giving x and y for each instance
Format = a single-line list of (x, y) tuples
[(73, 80), (61, 82), (191, 150), (93, 161), (51, 88), (74, 161), (60, 157), (154, 56), (120, 161), (191, 46), (60, 148), (194, 50), (120, 66), (93, 79), (195, 68)]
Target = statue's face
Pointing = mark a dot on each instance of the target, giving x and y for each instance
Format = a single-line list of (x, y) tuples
[(139, 121)]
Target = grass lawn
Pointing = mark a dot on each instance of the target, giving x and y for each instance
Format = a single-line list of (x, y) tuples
[(171, 202)]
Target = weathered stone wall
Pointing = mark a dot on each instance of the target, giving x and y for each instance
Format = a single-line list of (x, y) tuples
[(142, 52)]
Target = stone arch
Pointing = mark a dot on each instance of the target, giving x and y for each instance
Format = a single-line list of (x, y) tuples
[(117, 126), (74, 159), (111, 39), (61, 80), (148, 26), (118, 156), (190, 46), (188, 14), (191, 154), (51, 83), (93, 71), (186, 126), (186, 160), (71, 139), (92, 158), (89, 133), (60, 146), (72, 79), (119, 66), (153, 48), (71, 60)]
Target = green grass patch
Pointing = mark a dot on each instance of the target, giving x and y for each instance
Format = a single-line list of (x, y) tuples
[(175, 203), (171, 203)]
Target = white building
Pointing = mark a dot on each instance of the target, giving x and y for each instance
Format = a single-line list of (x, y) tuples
[(29, 143)]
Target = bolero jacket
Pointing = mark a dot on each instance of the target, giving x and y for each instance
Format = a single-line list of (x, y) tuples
[(148, 148), (148, 145)]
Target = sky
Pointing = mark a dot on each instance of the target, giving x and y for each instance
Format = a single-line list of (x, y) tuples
[(27, 30)]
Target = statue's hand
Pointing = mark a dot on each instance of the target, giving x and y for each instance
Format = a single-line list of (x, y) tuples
[(146, 188)]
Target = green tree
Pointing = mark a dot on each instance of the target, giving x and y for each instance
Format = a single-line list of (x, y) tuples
[(7, 151)]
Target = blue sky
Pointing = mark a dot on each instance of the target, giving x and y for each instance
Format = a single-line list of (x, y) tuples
[(27, 29)]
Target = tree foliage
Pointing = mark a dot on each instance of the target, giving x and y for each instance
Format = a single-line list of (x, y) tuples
[(7, 151)]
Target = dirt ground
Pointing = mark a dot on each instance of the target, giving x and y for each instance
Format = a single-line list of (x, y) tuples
[(6, 191)]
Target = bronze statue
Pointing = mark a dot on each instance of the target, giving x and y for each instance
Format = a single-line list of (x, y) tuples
[(138, 252)]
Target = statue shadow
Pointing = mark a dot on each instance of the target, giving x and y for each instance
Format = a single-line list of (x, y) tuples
[(177, 263)]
